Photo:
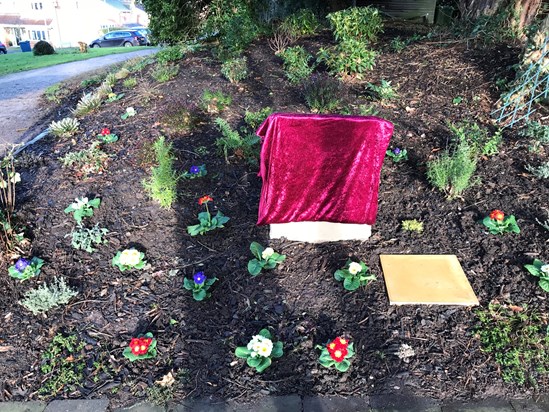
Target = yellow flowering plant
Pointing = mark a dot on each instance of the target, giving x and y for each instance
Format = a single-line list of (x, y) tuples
[(129, 259)]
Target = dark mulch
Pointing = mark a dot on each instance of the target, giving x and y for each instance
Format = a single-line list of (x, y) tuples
[(300, 301)]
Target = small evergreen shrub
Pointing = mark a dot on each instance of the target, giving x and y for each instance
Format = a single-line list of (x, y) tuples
[(348, 58), (169, 54), (47, 297), (235, 69), (215, 102), (244, 147), (43, 48), (452, 172), (254, 119), (162, 185), (296, 63), (362, 24), (479, 139), (322, 93)]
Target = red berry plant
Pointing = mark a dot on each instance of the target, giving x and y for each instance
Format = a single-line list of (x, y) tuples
[(497, 223), (337, 353), (142, 347)]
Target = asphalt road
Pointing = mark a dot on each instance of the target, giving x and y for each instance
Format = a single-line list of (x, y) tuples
[(20, 93)]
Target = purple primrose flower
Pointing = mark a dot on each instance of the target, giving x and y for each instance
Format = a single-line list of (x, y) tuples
[(396, 151), (194, 170), (21, 265), (199, 278)]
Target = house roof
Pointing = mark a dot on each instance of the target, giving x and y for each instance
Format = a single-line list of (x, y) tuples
[(14, 20)]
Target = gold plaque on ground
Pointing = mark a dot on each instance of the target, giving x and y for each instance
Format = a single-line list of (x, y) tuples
[(427, 280)]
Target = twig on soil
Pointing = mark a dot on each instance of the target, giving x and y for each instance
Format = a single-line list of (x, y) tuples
[(209, 248)]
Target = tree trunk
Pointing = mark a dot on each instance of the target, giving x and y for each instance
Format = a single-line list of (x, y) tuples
[(473, 9)]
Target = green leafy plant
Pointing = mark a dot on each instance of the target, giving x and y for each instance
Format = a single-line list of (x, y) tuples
[(215, 102), (541, 270), (83, 238), (87, 104), (265, 258), (66, 127), (63, 363), (296, 63), (82, 207), (452, 172), (322, 93), (362, 24), (497, 223), (457, 100), (382, 92), (353, 275), (25, 269), (113, 97), (129, 259), (235, 69), (199, 285), (162, 184), (87, 161), (195, 172), (413, 225), (122, 73), (47, 297), (110, 80), (260, 351), (397, 154), (336, 353), (56, 93), (205, 219), (170, 54), (10, 237), (480, 141), (138, 64), (164, 72), (349, 58), (397, 44), (243, 147), (367, 110), (254, 119), (518, 341), (106, 136), (130, 112), (301, 23), (141, 347), (538, 132)]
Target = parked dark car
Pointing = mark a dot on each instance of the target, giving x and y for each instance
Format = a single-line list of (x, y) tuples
[(125, 38), (3, 48)]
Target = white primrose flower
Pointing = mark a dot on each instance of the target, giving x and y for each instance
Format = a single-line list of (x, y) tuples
[(260, 346), (545, 270), (266, 348), (354, 268), (15, 177), (80, 203), (130, 257), (267, 253), (131, 111)]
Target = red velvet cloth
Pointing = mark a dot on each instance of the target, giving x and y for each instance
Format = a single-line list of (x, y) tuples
[(321, 167)]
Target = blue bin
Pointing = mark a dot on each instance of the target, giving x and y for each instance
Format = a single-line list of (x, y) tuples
[(25, 46)]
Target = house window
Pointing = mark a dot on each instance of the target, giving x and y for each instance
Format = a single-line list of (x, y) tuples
[(36, 6)]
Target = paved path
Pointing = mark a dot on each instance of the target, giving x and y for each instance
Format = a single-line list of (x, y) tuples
[(20, 92), (295, 403)]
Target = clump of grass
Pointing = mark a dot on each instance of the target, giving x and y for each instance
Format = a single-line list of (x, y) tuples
[(110, 80), (122, 73), (164, 72), (162, 184), (518, 341), (452, 172), (322, 93), (130, 82), (413, 225), (47, 297), (66, 127), (87, 104)]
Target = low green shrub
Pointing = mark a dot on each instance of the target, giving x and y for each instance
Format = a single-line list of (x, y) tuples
[(477, 138), (162, 184), (541, 171), (246, 147), (130, 82), (537, 132), (348, 58), (301, 23), (43, 48), (356, 23), (215, 102), (254, 119), (235, 69), (382, 92), (296, 63), (322, 93), (47, 297), (452, 172), (169, 54), (164, 72), (85, 239)]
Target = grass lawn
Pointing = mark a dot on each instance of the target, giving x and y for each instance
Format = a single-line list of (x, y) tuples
[(18, 62)]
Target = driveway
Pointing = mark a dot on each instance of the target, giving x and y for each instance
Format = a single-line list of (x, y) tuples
[(20, 93)]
